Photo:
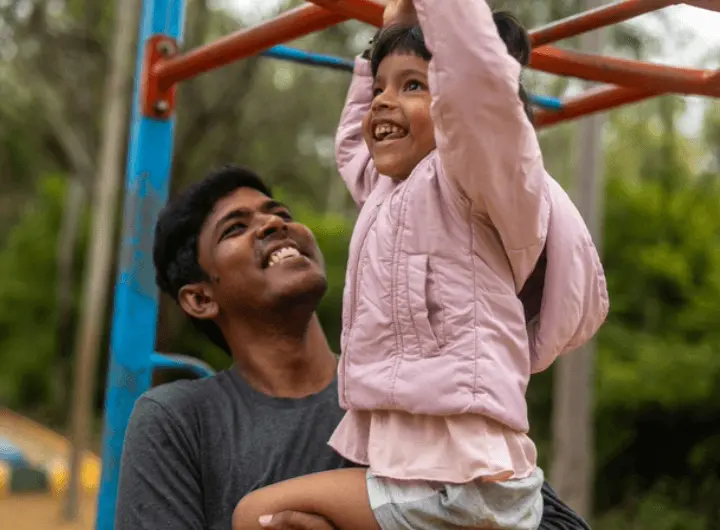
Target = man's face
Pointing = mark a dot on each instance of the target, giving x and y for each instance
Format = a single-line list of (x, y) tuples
[(257, 258)]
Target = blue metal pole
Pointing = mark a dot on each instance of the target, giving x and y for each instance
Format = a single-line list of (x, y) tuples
[(165, 361), (136, 299), (287, 53), (547, 102)]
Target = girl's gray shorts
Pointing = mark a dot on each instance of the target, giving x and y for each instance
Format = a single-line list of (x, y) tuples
[(410, 505)]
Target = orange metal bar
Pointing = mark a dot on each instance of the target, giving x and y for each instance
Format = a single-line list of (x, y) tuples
[(624, 72), (633, 76), (362, 10), (592, 102), (603, 16), (371, 13), (598, 100), (287, 26), (592, 68), (710, 5), (156, 102)]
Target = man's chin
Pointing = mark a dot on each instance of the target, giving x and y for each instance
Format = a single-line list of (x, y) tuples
[(300, 288)]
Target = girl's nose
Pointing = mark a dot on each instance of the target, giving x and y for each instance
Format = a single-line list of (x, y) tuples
[(384, 100)]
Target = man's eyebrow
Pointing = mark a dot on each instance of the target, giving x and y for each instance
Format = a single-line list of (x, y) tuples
[(244, 213), (273, 205), (237, 213)]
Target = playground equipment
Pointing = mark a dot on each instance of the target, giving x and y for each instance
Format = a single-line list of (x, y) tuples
[(161, 66), (34, 459)]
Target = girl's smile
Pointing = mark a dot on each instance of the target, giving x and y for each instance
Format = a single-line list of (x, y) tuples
[(398, 128)]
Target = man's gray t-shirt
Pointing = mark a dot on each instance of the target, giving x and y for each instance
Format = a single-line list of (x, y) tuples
[(193, 449)]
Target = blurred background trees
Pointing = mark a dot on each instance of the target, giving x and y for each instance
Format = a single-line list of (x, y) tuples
[(658, 366)]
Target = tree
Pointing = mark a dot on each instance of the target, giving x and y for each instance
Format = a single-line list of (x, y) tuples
[(101, 249)]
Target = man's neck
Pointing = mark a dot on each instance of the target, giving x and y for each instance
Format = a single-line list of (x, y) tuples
[(282, 362)]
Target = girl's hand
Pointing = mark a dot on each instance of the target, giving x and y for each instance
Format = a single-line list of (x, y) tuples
[(399, 12)]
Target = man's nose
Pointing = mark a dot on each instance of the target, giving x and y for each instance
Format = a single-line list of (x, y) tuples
[(269, 225)]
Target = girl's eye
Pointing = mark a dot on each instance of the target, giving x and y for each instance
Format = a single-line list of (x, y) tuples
[(235, 228), (376, 92), (412, 86)]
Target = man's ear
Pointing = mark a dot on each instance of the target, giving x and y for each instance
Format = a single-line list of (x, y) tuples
[(197, 300)]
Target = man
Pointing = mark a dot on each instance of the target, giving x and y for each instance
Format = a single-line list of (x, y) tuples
[(250, 278)]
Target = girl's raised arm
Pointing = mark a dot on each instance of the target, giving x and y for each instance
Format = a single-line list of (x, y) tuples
[(351, 152), (487, 144)]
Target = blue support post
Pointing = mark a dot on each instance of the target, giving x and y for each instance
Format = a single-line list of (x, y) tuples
[(136, 298)]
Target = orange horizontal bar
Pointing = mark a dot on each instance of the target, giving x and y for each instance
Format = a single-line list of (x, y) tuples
[(371, 13), (710, 5), (592, 68), (592, 102), (287, 26), (362, 10), (599, 17), (598, 100), (624, 72)]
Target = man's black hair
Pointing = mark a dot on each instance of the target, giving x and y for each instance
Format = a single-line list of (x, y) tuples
[(175, 249), (409, 39)]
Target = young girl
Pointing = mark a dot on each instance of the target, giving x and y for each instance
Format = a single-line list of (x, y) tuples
[(461, 229)]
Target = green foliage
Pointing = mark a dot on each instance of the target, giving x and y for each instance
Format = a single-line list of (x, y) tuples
[(657, 510), (28, 309)]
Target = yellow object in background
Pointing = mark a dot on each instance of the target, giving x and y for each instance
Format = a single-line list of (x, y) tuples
[(59, 475), (5, 477)]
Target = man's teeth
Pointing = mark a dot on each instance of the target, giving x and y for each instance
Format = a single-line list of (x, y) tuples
[(281, 254), (384, 130)]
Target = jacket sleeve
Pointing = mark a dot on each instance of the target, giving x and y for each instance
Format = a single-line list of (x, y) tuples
[(351, 152), (486, 143)]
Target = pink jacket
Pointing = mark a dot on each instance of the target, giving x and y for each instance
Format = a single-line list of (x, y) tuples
[(432, 320)]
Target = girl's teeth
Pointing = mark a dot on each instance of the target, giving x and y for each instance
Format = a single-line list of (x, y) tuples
[(384, 130)]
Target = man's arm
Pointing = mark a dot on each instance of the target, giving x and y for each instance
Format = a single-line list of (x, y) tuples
[(159, 474)]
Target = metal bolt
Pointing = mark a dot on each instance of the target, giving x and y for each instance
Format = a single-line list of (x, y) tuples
[(165, 48), (162, 106)]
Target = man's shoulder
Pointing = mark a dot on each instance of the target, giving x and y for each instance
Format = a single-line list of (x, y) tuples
[(179, 398)]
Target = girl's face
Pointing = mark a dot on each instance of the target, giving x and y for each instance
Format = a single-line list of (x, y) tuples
[(397, 128)]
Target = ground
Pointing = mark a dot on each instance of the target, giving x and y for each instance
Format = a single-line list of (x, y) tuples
[(45, 448), (42, 512)]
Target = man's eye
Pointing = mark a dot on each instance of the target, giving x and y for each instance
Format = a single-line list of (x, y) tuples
[(376, 92), (285, 216), (235, 228)]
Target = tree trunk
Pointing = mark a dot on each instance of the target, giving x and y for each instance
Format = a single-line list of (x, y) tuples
[(101, 246), (572, 467), (67, 246)]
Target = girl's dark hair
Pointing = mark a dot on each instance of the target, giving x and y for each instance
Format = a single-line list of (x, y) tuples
[(398, 38)]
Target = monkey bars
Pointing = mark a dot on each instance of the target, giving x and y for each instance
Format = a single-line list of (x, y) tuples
[(633, 80), (161, 66)]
